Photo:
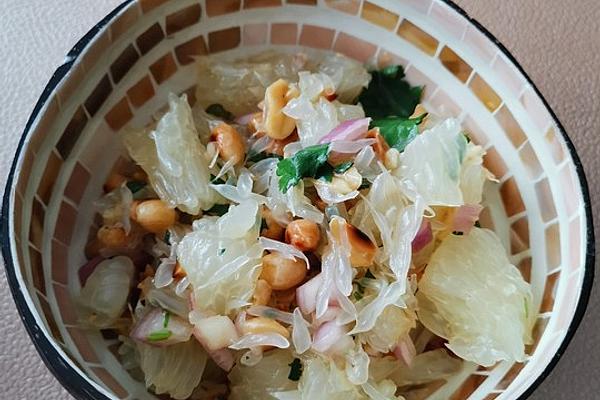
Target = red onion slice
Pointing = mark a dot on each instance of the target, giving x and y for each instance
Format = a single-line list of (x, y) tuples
[(328, 335), (405, 350), (86, 270), (245, 119), (423, 237), (261, 339), (306, 295), (350, 146), (352, 129), (159, 329), (465, 217)]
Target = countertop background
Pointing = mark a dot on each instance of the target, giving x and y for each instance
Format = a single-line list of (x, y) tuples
[(556, 41)]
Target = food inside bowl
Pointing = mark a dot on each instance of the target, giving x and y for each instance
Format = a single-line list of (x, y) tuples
[(307, 230)]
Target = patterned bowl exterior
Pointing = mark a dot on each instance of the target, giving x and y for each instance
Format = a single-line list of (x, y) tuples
[(119, 74)]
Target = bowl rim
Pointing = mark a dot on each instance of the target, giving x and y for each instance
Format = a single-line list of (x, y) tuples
[(80, 388)]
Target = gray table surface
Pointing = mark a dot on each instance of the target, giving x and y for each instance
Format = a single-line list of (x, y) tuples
[(557, 42)]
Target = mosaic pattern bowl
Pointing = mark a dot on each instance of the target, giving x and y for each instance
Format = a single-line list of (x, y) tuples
[(119, 75)]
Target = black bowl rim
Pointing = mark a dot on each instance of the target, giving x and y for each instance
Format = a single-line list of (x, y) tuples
[(80, 388)]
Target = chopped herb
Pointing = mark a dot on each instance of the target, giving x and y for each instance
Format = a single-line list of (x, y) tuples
[(167, 317), (295, 370), (343, 167), (369, 274), (216, 181), (365, 184), (218, 209), (157, 336), (389, 94), (398, 132), (219, 111), (325, 172), (256, 157), (135, 186), (526, 306), (167, 237), (359, 292), (222, 251), (456, 233), (477, 224), (306, 163)]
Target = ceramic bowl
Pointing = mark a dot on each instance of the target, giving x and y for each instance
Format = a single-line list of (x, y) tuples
[(119, 74)]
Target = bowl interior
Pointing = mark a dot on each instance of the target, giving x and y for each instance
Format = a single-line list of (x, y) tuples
[(122, 76)]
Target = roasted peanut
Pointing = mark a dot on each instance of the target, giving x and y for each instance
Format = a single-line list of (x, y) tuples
[(263, 325), (282, 273), (112, 236), (380, 146), (277, 145), (179, 271), (362, 249), (114, 181), (347, 182), (139, 174), (277, 124), (153, 215), (273, 230), (392, 159), (229, 143), (262, 293), (303, 234), (256, 123), (419, 110)]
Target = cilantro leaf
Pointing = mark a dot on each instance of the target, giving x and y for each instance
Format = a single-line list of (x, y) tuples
[(219, 111), (295, 370), (306, 163), (135, 186), (157, 336), (256, 157), (166, 318), (398, 132), (343, 167), (389, 94)]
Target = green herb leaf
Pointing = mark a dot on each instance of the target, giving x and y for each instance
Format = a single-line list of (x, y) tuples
[(218, 209), (295, 370), (167, 237), (369, 274), (343, 167), (222, 251), (304, 164), (365, 184), (256, 157), (167, 317), (135, 186), (157, 336), (389, 94), (219, 111), (398, 132)]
